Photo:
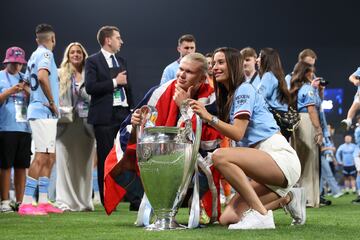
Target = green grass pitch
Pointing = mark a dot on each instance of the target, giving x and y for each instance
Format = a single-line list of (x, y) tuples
[(341, 220)]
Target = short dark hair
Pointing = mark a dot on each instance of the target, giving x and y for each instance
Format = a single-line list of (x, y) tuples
[(105, 32), (209, 54), (186, 38), (43, 28)]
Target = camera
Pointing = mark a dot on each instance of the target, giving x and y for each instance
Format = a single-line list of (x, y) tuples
[(323, 82)]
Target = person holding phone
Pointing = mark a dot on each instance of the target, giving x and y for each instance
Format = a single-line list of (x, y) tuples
[(15, 133), (106, 81)]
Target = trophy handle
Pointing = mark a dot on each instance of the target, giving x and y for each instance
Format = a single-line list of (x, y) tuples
[(148, 118), (196, 144), (195, 151)]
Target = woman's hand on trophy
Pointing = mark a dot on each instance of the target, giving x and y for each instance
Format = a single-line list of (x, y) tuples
[(136, 117), (200, 110)]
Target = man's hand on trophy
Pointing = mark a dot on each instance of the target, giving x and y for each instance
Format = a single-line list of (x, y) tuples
[(136, 117)]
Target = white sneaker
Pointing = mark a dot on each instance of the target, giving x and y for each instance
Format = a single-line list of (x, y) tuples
[(96, 199), (252, 219), (62, 206), (297, 206), (5, 207), (339, 194), (345, 124)]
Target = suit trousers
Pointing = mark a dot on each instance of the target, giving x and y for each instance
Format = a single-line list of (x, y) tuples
[(105, 135)]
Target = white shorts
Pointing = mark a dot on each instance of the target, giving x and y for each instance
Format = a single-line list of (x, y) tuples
[(285, 157), (44, 134)]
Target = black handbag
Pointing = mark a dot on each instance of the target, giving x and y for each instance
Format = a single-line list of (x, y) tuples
[(288, 121)]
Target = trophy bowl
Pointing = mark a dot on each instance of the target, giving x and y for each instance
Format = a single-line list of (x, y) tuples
[(166, 161)]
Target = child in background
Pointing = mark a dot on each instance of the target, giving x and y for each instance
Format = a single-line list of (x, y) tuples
[(327, 156), (344, 156)]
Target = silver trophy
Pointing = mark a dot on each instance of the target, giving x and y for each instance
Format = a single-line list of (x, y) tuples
[(167, 158)]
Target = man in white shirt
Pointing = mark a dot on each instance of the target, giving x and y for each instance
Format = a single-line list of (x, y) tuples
[(107, 84)]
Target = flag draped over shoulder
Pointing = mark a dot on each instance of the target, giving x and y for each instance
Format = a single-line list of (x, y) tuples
[(123, 155)]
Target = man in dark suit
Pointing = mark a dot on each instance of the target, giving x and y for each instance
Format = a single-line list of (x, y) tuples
[(111, 100)]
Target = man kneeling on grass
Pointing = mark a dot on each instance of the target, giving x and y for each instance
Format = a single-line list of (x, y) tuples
[(190, 82)]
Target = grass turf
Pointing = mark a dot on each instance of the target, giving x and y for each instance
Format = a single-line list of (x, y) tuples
[(338, 221)]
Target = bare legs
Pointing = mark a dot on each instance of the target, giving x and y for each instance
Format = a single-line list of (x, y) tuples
[(5, 183), (41, 165), (352, 110), (19, 182), (234, 210), (239, 164)]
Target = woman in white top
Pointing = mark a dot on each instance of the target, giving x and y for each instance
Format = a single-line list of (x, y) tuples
[(75, 142)]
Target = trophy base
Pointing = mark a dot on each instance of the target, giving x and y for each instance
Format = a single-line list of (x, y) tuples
[(165, 224)]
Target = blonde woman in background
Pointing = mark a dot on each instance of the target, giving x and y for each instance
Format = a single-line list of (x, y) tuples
[(75, 141)]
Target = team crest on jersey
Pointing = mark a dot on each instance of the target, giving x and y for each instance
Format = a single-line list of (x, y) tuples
[(311, 93), (47, 55)]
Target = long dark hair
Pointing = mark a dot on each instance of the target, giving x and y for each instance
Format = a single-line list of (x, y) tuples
[(270, 62), (298, 79), (224, 97)]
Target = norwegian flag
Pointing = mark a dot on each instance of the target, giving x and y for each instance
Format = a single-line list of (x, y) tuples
[(123, 155)]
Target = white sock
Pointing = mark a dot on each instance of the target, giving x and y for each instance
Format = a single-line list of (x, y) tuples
[(43, 198), (27, 199), (43, 189)]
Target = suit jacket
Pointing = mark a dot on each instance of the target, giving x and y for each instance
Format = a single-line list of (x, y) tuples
[(99, 85)]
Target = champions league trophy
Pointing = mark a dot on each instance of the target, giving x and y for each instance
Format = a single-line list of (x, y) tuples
[(166, 158)]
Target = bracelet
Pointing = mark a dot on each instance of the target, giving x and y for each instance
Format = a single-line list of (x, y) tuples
[(214, 120), (51, 102)]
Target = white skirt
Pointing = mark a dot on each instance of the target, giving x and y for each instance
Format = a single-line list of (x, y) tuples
[(285, 157)]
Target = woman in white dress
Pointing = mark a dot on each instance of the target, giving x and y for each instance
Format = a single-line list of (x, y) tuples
[(75, 141)]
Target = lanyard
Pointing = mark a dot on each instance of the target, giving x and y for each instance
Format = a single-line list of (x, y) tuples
[(14, 95)]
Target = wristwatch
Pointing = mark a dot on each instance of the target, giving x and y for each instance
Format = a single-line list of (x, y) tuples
[(51, 102), (214, 120)]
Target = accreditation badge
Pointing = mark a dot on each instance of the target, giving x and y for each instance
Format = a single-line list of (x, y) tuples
[(117, 97), (20, 110), (83, 109)]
